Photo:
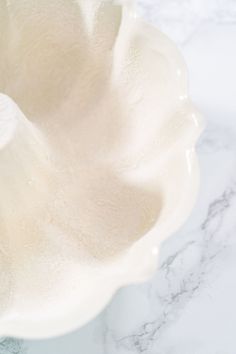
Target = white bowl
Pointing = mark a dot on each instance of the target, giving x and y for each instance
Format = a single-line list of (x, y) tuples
[(101, 171)]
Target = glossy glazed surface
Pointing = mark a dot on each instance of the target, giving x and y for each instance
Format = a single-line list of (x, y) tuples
[(97, 158)]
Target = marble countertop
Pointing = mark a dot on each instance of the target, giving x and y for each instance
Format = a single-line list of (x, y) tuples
[(189, 306)]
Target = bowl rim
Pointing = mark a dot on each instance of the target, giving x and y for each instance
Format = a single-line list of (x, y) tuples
[(36, 329)]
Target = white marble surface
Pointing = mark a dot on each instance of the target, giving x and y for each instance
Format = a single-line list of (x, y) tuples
[(189, 307)]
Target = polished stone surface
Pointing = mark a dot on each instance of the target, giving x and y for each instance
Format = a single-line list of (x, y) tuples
[(189, 306)]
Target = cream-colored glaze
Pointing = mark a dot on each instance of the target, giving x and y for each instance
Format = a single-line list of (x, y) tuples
[(97, 161)]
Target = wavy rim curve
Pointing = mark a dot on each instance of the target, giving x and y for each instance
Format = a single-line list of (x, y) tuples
[(59, 326)]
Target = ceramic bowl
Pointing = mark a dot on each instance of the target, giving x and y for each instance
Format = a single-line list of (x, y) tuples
[(97, 158)]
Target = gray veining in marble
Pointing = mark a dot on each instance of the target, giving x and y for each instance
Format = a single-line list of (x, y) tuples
[(189, 306)]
